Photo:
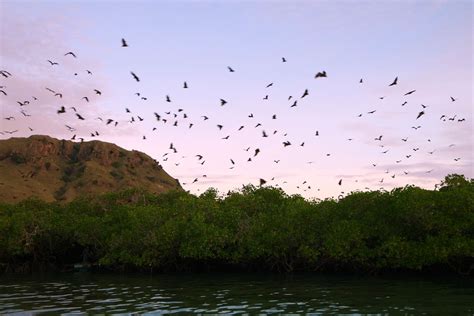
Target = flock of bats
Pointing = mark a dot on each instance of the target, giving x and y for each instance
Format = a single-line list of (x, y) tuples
[(176, 118)]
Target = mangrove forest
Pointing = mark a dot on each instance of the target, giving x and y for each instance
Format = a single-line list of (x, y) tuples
[(252, 229)]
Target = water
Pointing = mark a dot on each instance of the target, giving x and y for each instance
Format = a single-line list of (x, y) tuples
[(84, 293)]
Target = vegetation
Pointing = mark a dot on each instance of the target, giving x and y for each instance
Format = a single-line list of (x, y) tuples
[(17, 158), (56, 170), (407, 229)]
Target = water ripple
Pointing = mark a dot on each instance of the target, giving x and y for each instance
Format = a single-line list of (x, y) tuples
[(82, 294)]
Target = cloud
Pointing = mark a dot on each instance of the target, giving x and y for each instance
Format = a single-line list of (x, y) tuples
[(24, 53)]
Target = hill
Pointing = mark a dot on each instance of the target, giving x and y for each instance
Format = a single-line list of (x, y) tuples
[(61, 170)]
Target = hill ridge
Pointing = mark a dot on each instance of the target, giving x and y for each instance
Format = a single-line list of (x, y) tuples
[(61, 170)]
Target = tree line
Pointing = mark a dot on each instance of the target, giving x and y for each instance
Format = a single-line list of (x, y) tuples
[(253, 229)]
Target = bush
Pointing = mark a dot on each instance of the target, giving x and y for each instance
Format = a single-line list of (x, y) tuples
[(17, 158), (407, 229), (116, 175)]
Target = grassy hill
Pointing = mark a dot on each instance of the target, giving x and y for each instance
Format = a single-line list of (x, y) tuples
[(61, 170)]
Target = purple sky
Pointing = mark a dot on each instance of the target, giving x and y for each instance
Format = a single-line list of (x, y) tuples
[(427, 44)]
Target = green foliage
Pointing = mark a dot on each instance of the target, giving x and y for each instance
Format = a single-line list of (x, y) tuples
[(73, 172), (116, 175), (255, 228), (74, 157), (17, 158)]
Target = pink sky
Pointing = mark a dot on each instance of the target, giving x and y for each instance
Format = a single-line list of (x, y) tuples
[(428, 45)]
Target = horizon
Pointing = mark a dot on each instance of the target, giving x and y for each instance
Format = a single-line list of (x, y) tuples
[(427, 45), (221, 194)]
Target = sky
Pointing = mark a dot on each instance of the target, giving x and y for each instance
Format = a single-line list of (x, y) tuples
[(426, 44)]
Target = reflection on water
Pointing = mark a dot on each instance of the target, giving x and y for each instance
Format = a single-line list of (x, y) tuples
[(84, 293)]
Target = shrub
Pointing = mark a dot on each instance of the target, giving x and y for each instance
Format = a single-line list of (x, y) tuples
[(255, 228), (17, 158)]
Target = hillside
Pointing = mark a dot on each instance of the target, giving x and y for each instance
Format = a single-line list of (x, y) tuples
[(61, 170)]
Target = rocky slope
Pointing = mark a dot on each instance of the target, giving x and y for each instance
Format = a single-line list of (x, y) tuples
[(61, 170)]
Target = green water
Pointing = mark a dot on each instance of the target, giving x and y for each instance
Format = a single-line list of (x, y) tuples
[(83, 293)]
